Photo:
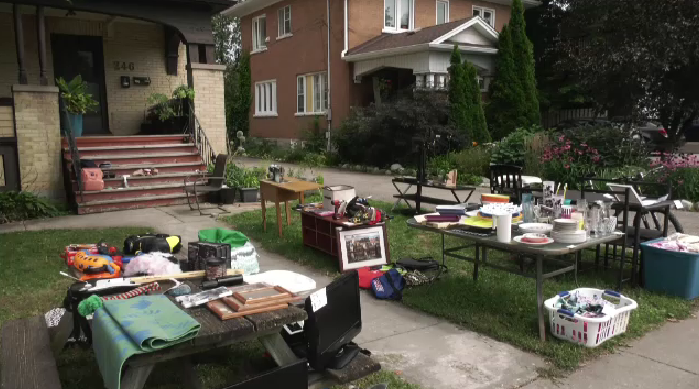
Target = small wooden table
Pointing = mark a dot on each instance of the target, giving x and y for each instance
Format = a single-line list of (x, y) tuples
[(290, 189)]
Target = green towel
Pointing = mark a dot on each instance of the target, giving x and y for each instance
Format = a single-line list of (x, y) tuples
[(219, 235), (123, 328)]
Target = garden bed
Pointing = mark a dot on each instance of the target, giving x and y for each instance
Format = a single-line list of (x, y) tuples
[(499, 305)]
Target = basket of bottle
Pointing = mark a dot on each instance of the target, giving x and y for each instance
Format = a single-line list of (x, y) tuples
[(589, 316)]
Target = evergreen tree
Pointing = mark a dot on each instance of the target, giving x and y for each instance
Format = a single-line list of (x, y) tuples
[(458, 114), (479, 127), (507, 108), (523, 56)]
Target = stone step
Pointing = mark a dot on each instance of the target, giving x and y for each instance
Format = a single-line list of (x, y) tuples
[(98, 206), (130, 192), (133, 140), (147, 159), (137, 181), (92, 152)]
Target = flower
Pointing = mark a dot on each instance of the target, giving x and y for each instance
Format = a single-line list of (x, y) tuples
[(567, 166), (474, 143), (583, 144), (561, 138)]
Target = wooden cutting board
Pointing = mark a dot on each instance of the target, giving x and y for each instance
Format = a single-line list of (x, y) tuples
[(238, 306), (225, 312)]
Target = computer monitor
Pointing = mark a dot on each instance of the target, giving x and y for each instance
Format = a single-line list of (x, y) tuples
[(329, 329)]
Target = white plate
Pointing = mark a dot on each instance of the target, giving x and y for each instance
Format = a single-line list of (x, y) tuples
[(536, 228), (570, 237), (518, 239)]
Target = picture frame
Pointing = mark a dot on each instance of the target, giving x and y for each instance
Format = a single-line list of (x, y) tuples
[(362, 247)]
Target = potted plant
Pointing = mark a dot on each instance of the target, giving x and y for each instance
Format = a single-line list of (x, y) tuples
[(249, 187), (77, 101), (168, 114)]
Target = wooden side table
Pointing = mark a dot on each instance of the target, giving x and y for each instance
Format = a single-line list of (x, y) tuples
[(278, 192)]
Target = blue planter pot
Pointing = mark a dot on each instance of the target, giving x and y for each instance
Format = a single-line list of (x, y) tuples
[(76, 123)]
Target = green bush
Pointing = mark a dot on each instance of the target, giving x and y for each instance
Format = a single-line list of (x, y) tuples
[(240, 177), (472, 161), (260, 147), (381, 135), (18, 206), (510, 150)]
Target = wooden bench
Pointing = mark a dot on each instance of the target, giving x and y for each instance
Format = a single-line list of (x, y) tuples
[(26, 360)]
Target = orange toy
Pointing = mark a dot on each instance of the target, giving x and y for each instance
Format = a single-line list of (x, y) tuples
[(71, 250), (96, 266)]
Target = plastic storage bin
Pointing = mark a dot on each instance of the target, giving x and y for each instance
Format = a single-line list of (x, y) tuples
[(672, 272), (590, 332)]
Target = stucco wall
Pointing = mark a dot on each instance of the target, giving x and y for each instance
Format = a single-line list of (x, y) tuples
[(125, 41), (208, 101)]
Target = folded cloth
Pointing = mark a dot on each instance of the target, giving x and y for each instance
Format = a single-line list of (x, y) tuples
[(123, 328)]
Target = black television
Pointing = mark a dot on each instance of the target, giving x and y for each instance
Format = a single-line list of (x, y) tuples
[(330, 330)]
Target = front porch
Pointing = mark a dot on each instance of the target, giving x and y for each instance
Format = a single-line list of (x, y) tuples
[(125, 51)]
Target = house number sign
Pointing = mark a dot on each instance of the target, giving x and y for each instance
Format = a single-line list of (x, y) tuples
[(120, 65)]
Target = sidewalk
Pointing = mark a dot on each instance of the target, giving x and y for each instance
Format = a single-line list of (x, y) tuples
[(425, 350)]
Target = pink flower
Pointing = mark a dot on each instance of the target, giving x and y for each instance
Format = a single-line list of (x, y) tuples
[(561, 138), (567, 166), (583, 144), (567, 147)]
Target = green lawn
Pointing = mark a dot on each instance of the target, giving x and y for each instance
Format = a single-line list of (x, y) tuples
[(30, 285), (500, 305)]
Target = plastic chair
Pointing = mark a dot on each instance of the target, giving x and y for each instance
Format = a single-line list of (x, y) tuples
[(214, 183), (506, 179)]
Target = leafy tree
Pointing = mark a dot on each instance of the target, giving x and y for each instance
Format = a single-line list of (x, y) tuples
[(637, 57), (238, 96), (523, 56), (507, 108), (479, 128), (459, 117), (227, 38)]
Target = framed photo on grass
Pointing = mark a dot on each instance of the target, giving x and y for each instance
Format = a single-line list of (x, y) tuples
[(363, 247)]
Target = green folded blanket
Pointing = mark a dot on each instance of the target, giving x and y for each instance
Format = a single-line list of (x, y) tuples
[(123, 328)]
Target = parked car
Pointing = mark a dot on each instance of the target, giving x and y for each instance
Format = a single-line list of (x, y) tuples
[(655, 136)]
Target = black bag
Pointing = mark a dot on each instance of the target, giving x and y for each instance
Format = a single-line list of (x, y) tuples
[(421, 271), (152, 243), (421, 264)]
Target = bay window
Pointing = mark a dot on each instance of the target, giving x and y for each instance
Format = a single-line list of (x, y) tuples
[(312, 94)]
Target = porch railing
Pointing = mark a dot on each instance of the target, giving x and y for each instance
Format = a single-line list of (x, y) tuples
[(196, 132)]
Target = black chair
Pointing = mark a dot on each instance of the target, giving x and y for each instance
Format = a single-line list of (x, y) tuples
[(622, 225), (507, 179), (205, 183)]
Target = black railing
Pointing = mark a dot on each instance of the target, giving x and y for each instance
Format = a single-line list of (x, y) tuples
[(73, 146), (199, 137)]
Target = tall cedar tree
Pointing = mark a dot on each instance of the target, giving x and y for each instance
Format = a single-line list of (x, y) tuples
[(479, 128), (523, 55), (459, 117), (507, 108)]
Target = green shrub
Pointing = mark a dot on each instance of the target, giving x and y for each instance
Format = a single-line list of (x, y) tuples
[(18, 206), (392, 131), (510, 150), (240, 177), (259, 147), (473, 161)]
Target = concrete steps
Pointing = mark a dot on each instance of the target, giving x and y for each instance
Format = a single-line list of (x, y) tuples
[(173, 155)]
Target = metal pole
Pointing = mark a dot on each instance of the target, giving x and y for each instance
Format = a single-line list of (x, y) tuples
[(328, 83)]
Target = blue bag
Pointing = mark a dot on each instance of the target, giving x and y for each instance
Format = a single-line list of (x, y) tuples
[(389, 286)]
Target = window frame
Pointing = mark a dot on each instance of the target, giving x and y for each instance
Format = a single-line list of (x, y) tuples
[(262, 44), (259, 86), (482, 9), (446, 12), (322, 95), (396, 29), (281, 12)]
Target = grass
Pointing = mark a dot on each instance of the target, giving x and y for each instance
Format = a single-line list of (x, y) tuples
[(500, 304), (31, 285)]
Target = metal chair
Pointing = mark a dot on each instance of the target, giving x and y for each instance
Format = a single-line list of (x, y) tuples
[(507, 179), (206, 183)]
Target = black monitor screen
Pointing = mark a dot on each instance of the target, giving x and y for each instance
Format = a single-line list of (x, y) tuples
[(338, 322)]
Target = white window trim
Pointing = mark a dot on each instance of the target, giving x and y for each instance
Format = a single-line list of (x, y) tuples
[(486, 83), (446, 14), (305, 94), (481, 9), (397, 29), (288, 34), (263, 47), (272, 112)]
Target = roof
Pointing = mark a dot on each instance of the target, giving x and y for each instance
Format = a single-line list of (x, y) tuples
[(410, 38), (425, 38)]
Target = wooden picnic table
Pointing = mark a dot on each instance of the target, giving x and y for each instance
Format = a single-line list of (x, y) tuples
[(214, 333), (283, 192), (483, 243)]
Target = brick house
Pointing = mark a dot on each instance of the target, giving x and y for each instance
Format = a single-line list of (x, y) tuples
[(313, 59), (125, 50)]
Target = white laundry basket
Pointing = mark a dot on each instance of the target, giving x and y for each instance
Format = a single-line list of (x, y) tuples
[(590, 332)]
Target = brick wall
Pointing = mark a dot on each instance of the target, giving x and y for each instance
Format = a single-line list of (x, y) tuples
[(208, 102), (38, 142), (125, 41)]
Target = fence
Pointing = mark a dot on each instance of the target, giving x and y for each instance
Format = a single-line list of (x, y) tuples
[(552, 118)]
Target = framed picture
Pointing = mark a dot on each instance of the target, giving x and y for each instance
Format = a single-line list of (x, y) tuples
[(363, 247)]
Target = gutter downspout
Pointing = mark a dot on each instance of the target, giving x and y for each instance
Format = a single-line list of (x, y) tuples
[(329, 82), (346, 35)]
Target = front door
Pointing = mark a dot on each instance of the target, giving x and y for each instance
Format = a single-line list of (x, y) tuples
[(82, 55)]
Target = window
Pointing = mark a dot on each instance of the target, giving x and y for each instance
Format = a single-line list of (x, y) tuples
[(266, 98), (398, 15), (483, 83), (312, 93), (487, 14), (442, 12), (284, 21), (259, 33)]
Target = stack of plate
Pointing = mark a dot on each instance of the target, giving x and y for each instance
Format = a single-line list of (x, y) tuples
[(535, 228), (568, 231)]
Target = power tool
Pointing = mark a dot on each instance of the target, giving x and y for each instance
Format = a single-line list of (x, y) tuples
[(94, 266)]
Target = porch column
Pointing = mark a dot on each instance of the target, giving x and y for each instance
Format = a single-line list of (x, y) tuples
[(19, 43), (41, 37)]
